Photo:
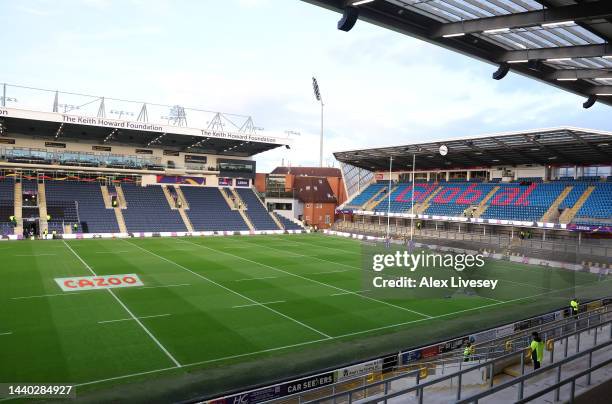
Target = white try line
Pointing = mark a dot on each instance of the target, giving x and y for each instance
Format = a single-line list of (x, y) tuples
[(258, 304), (5, 333), (130, 319), (89, 291), (255, 279), (313, 341), (149, 333), (312, 280), (226, 288)]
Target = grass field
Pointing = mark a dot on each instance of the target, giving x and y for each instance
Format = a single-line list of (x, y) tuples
[(225, 312)]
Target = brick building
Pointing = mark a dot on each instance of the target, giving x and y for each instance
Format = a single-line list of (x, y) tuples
[(308, 194)]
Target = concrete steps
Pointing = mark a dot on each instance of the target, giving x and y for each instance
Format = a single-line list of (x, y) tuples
[(42, 209), (568, 214), (108, 203), (482, 206), (421, 207), (552, 214), (372, 205), (18, 204), (122, 202), (376, 195), (120, 220)]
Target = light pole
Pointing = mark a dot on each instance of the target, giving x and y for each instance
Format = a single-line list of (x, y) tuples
[(317, 93), (389, 201)]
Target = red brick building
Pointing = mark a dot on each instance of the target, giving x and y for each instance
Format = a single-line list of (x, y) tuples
[(309, 194)]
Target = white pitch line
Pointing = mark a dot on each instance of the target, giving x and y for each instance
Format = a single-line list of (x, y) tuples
[(129, 319), (312, 280), (329, 272), (308, 256), (33, 255), (50, 295), (226, 288), (5, 333), (258, 304), (524, 284), (313, 341), (149, 333), (255, 279), (163, 286)]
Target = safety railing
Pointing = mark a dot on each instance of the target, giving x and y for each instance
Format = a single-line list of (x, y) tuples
[(360, 392)]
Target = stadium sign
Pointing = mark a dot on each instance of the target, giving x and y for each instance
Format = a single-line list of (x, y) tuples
[(142, 126), (98, 282)]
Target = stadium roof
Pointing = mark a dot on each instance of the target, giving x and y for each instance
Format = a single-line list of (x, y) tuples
[(308, 171), (556, 146), (59, 127), (565, 43)]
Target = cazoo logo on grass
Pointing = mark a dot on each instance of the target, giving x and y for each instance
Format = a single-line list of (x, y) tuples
[(98, 282)]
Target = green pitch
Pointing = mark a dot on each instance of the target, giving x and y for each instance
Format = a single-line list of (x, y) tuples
[(221, 313)]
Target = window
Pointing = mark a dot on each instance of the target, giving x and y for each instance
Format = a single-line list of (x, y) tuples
[(327, 219), (308, 205)]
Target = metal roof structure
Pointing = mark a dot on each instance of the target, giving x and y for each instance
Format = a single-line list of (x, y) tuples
[(555, 146), (67, 116), (565, 43)]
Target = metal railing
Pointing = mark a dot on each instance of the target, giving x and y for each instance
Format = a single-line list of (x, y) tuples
[(360, 392)]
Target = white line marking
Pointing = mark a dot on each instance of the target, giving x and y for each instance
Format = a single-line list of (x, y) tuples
[(163, 286), (342, 294), (258, 304), (226, 288), (524, 284), (80, 293), (255, 279), (33, 255), (329, 272), (308, 279), (159, 344), (129, 319), (53, 294), (6, 333), (312, 342)]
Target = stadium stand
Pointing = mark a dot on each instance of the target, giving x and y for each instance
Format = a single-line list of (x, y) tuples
[(209, 211), (259, 215), (525, 200), (288, 224), (148, 210), (7, 207), (87, 197)]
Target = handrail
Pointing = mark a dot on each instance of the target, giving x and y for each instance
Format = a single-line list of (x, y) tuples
[(518, 335), (527, 376), (421, 386), (568, 379)]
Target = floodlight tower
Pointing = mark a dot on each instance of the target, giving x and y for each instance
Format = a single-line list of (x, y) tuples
[(177, 116), (317, 93)]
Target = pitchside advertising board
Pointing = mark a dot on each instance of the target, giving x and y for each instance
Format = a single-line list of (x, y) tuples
[(278, 391), (80, 283)]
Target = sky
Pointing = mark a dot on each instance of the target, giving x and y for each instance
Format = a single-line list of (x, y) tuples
[(257, 57)]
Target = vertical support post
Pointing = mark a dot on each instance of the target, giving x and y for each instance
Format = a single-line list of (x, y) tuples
[(459, 387), (412, 198), (321, 140), (590, 365), (4, 94), (558, 379), (389, 201)]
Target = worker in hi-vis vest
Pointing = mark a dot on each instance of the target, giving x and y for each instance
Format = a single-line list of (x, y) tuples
[(574, 306), (468, 352), (537, 350)]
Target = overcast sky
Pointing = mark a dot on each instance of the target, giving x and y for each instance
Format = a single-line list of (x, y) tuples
[(257, 57)]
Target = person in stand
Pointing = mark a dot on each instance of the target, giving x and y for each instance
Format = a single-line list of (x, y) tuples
[(75, 227), (574, 306), (537, 350), (468, 352)]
